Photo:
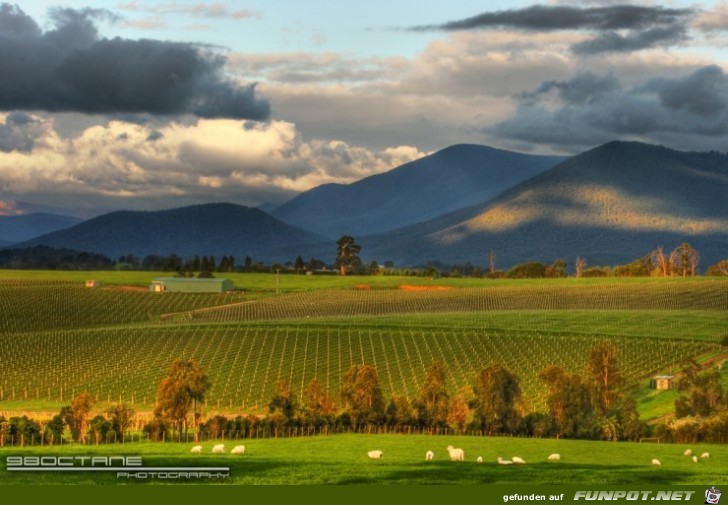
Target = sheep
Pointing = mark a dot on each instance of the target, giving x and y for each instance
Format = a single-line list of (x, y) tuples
[(688, 452), (218, 449), (456, 454), (695, 459), (375, 454), (238, 449), (502, 461), (480, 459), (196, 449), (656, 462), (554, 457), (518, 460), (705, 455), (429, 455)]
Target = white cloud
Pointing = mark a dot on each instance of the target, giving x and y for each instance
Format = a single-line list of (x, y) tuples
[(140, 165)]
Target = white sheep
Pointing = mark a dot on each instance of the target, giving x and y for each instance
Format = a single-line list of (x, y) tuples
[(554, 457), (218, 449), (688, 452), (238, 449), (518, 460), (705, 455), (429, 455), (456, 454), (375, 454), (656, 462), (196, 449), (695, 459), (502, 461), (480, 459)]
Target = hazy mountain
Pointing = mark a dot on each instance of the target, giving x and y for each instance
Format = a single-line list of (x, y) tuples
[(450, 179), (17, 208), (610, 205), (18, 228), (212, 229)]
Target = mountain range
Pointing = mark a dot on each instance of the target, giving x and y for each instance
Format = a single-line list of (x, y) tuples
[(450, 179), (22, 227), (611, 204), (211, 229)]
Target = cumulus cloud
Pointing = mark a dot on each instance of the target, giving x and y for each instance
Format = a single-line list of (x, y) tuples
[(134, 165), (687, 111), (74, 69), (618, 28)]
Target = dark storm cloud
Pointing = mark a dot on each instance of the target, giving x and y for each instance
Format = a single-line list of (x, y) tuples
[(613, 42), (590, 110), (643, 26), (71, 68)]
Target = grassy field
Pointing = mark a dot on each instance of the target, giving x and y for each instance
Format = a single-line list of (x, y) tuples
[(342, 459)]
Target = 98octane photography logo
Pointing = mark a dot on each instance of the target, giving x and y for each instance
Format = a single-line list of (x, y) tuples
[(125, 467)]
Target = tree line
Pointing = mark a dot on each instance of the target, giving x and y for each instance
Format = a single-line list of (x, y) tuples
[(682, 261), (595, 404)]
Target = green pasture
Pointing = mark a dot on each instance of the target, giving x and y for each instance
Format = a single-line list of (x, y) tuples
[(342, 459)]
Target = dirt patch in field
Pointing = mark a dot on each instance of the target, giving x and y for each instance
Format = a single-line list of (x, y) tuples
[(127, 288), (362, 286), (409, 287)]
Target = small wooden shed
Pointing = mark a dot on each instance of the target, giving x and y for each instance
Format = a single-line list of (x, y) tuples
[(662, 382)]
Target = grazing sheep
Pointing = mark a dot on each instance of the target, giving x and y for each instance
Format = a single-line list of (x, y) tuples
[(238, 449), (480, 459), (705, 455), (375, 454), (656, 462), (518, 460), (196, 449), (695, 459), (456, 454), (218, 449), (688, 452), (554, 457), (429, 455), (502, 461)]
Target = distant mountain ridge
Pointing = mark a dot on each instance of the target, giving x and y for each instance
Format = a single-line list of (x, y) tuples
[(453, 178), (210, 229), (611, 204), (22, 227)]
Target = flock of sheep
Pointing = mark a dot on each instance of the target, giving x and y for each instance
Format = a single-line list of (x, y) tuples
[(456, 454), (688, 453), (219, 449)]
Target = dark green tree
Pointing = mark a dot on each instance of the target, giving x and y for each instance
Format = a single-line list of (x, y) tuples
[(347, 255), (283, 403), (121, 416), (569, 403), (497, 396)]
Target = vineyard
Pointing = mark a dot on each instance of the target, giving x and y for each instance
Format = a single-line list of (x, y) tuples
[(58, 339)]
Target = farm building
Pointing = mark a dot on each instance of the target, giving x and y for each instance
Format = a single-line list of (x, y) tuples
[(190, 285), (662, 382)]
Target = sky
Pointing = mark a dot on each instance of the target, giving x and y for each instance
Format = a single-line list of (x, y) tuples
[(152, 105)]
